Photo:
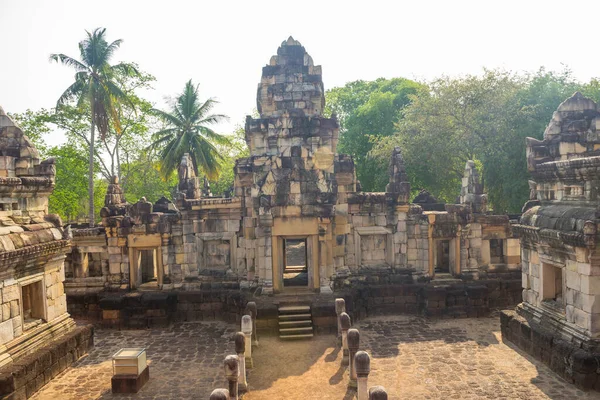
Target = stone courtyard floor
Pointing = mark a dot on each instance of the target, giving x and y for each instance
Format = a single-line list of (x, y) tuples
[(412, 357)]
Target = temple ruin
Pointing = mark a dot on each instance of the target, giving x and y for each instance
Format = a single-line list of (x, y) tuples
[(558, 321), (296, 247), (296, 222), (38, 338)]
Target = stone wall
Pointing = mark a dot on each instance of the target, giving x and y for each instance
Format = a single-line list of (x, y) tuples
[(27, 374), (574, 362), (33, 244)]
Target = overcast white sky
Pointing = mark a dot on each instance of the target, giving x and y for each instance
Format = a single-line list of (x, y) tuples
[(223, 44)]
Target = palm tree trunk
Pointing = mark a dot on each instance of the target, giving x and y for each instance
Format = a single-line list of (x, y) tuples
[(91, 214)]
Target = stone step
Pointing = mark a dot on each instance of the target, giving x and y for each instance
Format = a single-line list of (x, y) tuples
[(293, 309), (295, 337), (297, 330), (305, 322), (289, 317)]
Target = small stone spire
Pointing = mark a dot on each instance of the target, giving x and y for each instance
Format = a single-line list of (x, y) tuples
[(471, 192), (291, 83), (189, 184), (114, 193), (398, 187)]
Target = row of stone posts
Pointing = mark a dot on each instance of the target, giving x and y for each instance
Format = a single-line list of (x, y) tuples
[(236, 365), (358, 361)]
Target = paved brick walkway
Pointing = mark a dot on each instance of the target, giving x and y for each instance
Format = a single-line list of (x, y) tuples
[(412, 357)]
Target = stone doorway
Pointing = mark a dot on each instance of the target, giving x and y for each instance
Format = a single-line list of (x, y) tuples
[(442, 264), (295, 266), (147, 262)]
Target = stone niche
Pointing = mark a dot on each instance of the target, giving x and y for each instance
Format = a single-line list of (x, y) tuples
[(559, 246), (33, 244)]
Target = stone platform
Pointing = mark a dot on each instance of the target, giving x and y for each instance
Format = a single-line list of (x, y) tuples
[(414, 358), (27, 374)]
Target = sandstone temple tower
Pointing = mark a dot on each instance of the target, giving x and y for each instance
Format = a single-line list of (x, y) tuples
[(293, 182)]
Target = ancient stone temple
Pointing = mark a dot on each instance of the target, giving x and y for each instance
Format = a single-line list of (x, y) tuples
[(296, 221), (559, 319), (33, 243)]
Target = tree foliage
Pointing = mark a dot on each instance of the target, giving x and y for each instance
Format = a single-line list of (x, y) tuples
[(96, 89), (188, 130), (483, 118), (367, 112)]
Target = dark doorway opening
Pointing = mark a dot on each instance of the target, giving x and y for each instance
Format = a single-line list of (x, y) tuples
[(295, 271), (496, 251), (442, 256), (147, 262)]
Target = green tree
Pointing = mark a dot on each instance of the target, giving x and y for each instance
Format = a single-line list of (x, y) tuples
[(235, 148), (483, 118), (142, 178), (95, 87), (71, 182), (188, 131), (367, 112)]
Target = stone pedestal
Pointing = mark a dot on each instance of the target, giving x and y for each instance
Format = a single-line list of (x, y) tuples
[(130, 383)]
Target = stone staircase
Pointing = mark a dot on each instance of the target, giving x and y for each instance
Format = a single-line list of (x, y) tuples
[(295, 322), (444, 279)]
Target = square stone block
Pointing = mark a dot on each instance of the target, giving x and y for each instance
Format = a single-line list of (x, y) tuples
[(130, 383)]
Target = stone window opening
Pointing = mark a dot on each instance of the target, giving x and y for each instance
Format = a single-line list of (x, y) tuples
[(442, 264), (32, 298), (574, 191), (295, 268), (497, 251), (552, 286)]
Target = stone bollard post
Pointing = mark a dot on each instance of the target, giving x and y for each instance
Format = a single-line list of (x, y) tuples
[(345, 324), (240, 349), (232, 373), (340, 307), (219, 394), (362, 364), (353, 340), (247, 330), (253, 312), (377, 393)]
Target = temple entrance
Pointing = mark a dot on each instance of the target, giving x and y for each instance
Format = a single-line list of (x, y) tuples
[(442, 258), (295, 267), (147, 262)]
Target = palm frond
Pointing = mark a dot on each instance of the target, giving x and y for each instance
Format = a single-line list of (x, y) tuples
[(204, 109), (169, 118), (109, 51), (213, 136), (213, 119), (126, 69), (69, 62), (76, 89)]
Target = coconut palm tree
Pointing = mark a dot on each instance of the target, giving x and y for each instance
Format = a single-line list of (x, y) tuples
[(187, 131), (96, 90)]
